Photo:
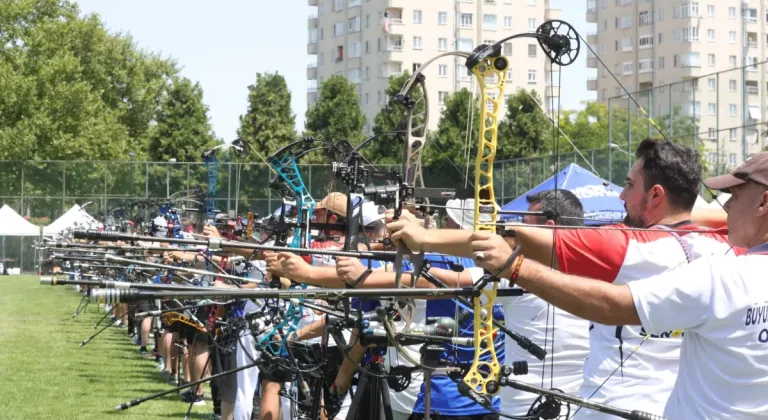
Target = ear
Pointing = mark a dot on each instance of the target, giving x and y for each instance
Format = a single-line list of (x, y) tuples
[(762, 208), (657, 195)]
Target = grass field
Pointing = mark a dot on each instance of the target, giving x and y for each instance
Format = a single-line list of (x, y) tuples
[(45, 374)]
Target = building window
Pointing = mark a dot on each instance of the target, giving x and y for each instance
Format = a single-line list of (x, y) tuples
[(691, 34), (645, 41), (732, 60), (509, 75), (417, 43), (338, 5), (626, 68), (712, 108), (712, 134), (367, 21), (441, 97), (732, 133), (442, 70), (508, 22), (531, 76), (442, 44), (645, 65), (731, 13), (507, 48), (489, 22), (645, 18), (732, 37), (661, 62), (710, 34), (711, 10), (711, 83), (416, 16), (366, 98), (532, 25), (732, 157), (465, 44), (661, 38), (532, 48), (732, 85), (626, 44), (367, 74), (732, 109), (442, 18), (465, 20), (338, 29), (354, 25), (711, 60)]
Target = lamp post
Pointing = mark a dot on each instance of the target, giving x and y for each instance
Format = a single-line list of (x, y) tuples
[(168, 178)]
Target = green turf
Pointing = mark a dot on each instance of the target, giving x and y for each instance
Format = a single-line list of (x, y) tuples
[(45, 374)]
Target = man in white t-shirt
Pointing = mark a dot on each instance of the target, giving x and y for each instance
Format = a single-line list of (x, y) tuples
[(565, 337), (718, 304)]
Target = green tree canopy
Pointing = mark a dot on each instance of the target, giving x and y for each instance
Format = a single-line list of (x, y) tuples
[(526, 129), (71, 90), (336, 115), (183, 131), (269, 123)]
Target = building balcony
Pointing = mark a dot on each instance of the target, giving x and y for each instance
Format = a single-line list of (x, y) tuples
[(592, 11), (592, 38), (311, 71), (312, 21), (312, 48), (592, 83), (313, 2), (311, 98), (551, 91), (591, 62)]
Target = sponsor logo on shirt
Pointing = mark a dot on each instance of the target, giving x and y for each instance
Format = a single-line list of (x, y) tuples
[(667, 334), (756, 316)]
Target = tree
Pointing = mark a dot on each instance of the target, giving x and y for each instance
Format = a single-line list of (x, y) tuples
[(526, 129), (183, 131), (269, 123), (336, 115), (446, 157), (388, 149), (71, 90)]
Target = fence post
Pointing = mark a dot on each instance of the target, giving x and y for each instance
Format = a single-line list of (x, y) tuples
[(64, 188), (21, 210), (717, 126), (610, 141)]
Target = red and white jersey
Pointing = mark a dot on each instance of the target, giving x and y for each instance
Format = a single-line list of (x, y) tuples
[(646, 379)]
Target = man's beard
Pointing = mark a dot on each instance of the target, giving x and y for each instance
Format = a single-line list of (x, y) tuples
[(634, 221)]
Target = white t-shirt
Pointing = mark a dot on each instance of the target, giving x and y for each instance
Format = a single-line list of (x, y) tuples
[(645, 379), (721, 303), (565, 337)]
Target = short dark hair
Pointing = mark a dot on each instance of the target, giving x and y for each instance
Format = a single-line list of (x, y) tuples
[(566, 206), (674, 167)]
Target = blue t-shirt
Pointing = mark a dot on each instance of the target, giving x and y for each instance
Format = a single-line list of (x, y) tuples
[(446, 398)]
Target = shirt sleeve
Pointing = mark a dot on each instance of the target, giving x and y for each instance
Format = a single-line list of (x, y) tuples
[(679, 299), (593, 253)]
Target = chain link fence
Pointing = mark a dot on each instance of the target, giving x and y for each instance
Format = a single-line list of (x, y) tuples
[(722, 114)]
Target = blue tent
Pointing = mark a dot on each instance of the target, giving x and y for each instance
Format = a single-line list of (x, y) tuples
[(600, 198)]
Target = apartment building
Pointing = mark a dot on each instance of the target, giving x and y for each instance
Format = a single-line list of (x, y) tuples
[(651, 45), (369, 40)]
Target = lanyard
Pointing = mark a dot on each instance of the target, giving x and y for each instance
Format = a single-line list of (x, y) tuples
[(685, 245)]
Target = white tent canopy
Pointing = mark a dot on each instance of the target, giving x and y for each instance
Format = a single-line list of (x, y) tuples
[(74, 216), (11, 224)]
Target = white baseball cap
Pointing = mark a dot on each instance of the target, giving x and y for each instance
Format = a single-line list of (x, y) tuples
[(463, 213), (373, 212)]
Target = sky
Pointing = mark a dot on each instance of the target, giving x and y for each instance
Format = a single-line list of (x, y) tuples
[(223, 44)]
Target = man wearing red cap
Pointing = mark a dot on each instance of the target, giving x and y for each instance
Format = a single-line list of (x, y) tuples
[(718, 303)]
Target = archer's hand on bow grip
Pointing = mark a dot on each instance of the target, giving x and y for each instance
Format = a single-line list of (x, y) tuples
[(406, 229)]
